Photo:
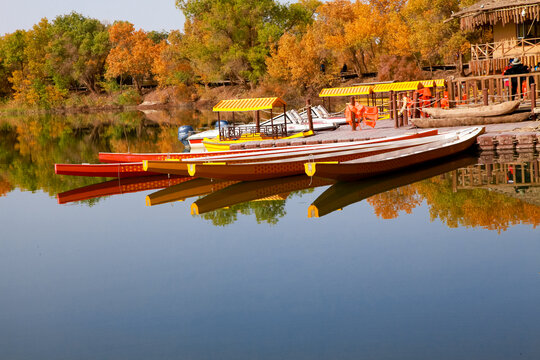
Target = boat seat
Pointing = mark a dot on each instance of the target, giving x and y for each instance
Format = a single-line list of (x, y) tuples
[(295, 117), (323, 111)]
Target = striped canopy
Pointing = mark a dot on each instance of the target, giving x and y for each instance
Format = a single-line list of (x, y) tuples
[(249, 104), (408, 85), (347, 91)]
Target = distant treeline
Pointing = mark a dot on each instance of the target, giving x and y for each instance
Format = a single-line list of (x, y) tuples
[(285, 48)]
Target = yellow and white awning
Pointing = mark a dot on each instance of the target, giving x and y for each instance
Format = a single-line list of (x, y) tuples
[(249, 104), (347, 91), (408, 85)]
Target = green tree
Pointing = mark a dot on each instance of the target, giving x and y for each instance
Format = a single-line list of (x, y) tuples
[(77, 51), (230, 39)]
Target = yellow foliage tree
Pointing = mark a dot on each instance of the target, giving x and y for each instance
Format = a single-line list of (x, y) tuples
[(132, 53)]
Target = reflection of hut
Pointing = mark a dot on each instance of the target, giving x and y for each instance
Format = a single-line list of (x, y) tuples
[(515, 28)]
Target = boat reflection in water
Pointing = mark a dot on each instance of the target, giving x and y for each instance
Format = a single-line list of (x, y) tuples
[(462, 191), (255, 190), (119, 186), (191, 188), (342, 194)]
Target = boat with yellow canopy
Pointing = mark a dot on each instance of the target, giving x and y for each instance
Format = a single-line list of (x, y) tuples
[(274, 128)]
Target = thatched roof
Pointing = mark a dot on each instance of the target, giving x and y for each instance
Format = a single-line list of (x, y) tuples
[(489, 12)]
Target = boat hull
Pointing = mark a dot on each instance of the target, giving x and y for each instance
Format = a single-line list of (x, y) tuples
[(478, 111), (467, 121), (392, 161)]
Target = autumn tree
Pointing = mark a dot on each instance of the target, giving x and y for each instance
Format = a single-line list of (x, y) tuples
[(303, 72), (32, 83), (132, 53), (430, 31), (172, 67), (77, 51)]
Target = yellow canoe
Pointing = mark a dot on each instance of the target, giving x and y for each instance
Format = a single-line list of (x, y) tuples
[(216, 145)]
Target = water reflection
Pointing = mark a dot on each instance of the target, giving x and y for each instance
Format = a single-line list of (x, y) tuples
[(343, 194), (118, 187), (493, 193)]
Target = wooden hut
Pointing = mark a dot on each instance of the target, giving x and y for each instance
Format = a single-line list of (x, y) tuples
[(516, 33)]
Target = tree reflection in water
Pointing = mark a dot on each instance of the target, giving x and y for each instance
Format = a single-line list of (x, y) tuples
[(493, 196)]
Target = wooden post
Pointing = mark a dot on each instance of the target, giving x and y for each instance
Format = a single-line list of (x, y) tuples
[(415, 111), (390, 107), (353, 103), (467, 92), (285, 118), (533, 100), (272, 120), (309, 117), (451, 97), (485, 96), (395, 109), (406, 116), (219, 126), (398, 96), (257, 121)]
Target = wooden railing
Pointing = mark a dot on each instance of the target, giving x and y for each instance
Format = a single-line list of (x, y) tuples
[(492, 58), (491, 88), (505, 49)]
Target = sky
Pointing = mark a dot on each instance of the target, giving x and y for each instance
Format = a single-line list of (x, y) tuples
[(148, 15)]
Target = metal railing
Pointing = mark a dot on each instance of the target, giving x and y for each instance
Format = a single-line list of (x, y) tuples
[(236, 132)]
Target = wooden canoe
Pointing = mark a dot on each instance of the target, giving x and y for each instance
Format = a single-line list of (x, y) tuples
[(118, 170), (504, 108), (342, 194), (250, 171), (191, 188), (395, 160), (468, 121), (119, 186), (253, 190), (138, 157)]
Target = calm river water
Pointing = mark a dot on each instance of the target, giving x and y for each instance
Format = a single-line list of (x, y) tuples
[(442, 263)]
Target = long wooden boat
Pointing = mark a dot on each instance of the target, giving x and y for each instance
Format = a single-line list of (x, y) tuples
[(395, 160), (119, 186), (118, 170), (224, 145), (191, 188), (139, 157), (477, 111), (342, 194), (253, 190), (250, 171), (284, 153), (468, 121), (187, 167)]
